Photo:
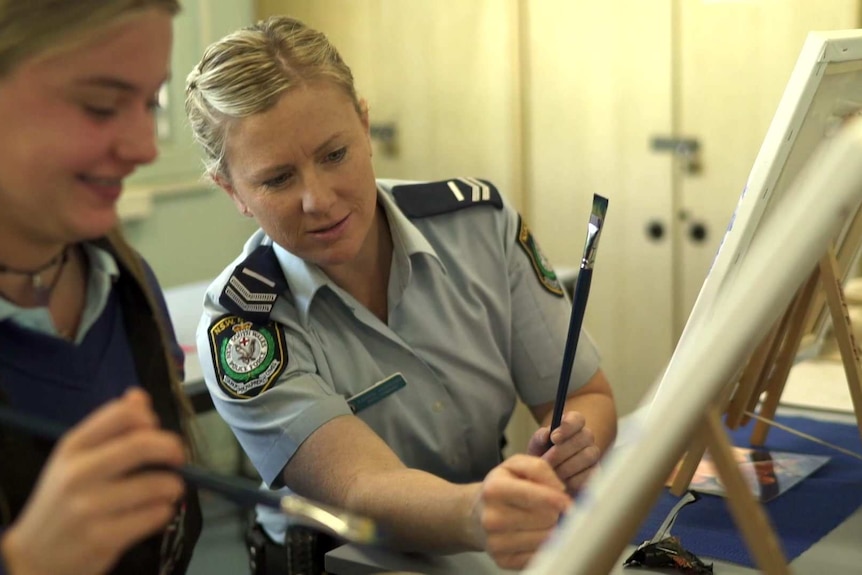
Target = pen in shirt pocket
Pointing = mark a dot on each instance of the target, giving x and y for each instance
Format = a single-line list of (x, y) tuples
[(377, 392)]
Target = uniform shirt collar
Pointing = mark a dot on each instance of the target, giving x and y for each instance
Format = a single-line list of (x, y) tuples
[(306, 279), (103, 271), (405, 235)]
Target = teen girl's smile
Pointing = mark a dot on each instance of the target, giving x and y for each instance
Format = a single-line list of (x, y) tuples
[(76, 123)]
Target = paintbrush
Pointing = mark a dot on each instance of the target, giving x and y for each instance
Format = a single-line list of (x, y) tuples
[(342, 524), (579, 306)]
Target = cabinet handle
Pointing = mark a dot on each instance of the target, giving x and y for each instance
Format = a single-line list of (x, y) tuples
[(697, 232), (655, 230)]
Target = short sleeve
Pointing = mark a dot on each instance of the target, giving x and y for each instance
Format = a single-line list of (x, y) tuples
[(540, 321), (271, 419)]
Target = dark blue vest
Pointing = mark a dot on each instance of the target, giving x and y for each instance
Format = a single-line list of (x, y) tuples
[(64, 382), (59, 380)]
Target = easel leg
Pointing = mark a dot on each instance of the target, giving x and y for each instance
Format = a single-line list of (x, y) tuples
[(747, 512), (753, 376), (843, 331), (687, 467), (694, 453), (784, 360)]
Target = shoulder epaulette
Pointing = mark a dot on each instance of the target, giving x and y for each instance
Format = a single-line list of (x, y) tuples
[(434, 198), (254, 286)]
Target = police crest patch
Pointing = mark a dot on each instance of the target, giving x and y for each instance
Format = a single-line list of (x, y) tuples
[(544, 271), (248, 356)]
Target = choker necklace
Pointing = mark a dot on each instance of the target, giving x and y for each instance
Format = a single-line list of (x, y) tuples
[(42, 291)]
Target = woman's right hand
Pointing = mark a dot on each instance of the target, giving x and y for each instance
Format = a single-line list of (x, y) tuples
[(90, 504), (519, 503)]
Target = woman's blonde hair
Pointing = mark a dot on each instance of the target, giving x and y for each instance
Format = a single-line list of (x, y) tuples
[(246, 72), (32, 27)]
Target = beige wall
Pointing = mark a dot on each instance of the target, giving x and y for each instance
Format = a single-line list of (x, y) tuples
[(191, 236)]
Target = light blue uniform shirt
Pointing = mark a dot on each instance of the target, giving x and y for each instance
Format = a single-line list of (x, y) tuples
[(103, 273), (470, 328)]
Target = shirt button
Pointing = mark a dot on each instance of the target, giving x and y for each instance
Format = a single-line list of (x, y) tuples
[(437, 407)]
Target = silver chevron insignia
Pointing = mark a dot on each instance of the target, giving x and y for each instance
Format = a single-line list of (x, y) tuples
[(479, 190)]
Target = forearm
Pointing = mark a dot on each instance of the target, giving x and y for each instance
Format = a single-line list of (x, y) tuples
[(13, 553), (346, 464), (417, 511), (509, 514), (5, 553)]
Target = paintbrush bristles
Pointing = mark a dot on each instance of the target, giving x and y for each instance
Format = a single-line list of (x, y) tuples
[(594, 230), (600, 208)]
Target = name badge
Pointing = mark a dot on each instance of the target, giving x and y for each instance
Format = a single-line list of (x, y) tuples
[(376, 392)]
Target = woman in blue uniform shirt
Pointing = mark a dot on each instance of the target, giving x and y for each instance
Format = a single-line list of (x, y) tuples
[(81, 319), (370, 342)]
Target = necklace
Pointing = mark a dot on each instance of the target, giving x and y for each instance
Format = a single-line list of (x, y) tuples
[(41, 290)]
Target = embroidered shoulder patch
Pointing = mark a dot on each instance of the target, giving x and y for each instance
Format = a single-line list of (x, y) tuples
[(434, 198), (544, 272), (248, 356)]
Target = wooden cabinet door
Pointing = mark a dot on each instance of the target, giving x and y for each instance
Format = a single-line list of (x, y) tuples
[(598, 87)]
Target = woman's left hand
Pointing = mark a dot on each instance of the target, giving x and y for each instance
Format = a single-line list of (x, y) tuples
[(574, 454)]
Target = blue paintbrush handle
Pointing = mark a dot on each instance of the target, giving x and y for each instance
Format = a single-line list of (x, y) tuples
[(576, 320)]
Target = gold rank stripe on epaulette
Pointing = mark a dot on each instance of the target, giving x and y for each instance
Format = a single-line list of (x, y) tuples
[(425, 199), (544, 271), (248, 356)]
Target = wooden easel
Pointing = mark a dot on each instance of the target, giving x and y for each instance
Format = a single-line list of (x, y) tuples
[(765, 375)]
